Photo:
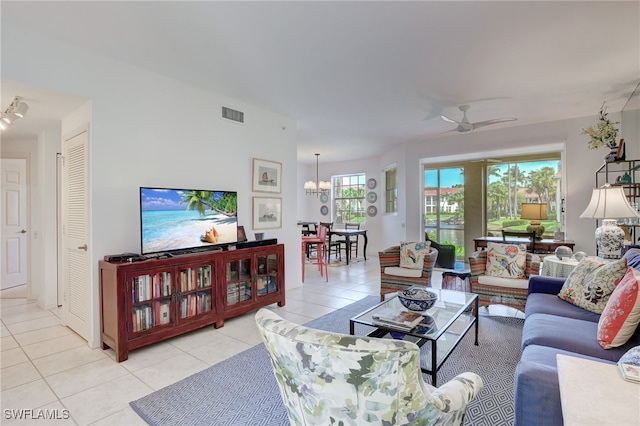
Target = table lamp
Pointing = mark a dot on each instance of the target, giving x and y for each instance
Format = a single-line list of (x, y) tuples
[(609, 203), (534, 212)]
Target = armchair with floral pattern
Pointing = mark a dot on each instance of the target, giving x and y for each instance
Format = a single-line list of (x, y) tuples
[(332, 378)]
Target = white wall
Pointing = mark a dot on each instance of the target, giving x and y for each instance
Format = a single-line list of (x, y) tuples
[(579, 177), (148, 130)]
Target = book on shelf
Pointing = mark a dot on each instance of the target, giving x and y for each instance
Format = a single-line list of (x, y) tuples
[(404, 320), (630, 372)]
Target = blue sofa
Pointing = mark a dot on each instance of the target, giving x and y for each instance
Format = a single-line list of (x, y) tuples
[(553, 326)]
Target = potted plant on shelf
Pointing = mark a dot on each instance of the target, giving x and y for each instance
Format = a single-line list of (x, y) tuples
[(604, 133)]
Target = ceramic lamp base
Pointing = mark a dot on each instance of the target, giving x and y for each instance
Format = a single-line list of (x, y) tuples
[(609, 239), (538, 227)]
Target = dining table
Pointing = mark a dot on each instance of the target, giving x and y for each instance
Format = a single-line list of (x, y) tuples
[(348, 234)]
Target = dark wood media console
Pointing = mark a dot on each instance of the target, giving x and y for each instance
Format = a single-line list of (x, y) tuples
[(152, 300)]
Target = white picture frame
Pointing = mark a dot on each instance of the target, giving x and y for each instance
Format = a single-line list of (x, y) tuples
[(267, 176), (267, 212)]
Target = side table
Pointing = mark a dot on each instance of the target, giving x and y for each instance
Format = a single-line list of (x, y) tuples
[(457, 280), (554, 267), (586, 385)]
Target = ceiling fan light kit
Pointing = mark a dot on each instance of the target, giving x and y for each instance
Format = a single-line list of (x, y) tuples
[(465, 126)]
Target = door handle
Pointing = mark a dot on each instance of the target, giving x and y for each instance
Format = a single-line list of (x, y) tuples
[(24, 231), (83, 247)]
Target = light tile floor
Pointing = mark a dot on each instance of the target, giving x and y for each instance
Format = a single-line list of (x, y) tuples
[(47, 368)]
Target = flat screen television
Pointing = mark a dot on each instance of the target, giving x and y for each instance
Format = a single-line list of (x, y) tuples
[(184, 220)]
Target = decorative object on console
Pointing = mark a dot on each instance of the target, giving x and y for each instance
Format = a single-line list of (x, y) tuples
[(579, 255), (534, 212), (267, 213), (603, 134), (267, 176), (417, 298), (609, 203), (319, 186)]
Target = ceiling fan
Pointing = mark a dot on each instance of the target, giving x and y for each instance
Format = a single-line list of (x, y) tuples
[(465, 126)]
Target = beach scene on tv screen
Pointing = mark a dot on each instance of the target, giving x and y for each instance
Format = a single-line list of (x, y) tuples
[(174, 219)]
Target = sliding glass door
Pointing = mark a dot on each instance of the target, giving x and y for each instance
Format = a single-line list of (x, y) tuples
[(444, 206)]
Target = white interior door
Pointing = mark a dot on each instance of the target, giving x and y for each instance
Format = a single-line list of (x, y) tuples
[(14, 222), (76, 261)]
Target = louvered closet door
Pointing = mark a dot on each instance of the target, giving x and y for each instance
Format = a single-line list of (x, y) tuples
[(77, 298)]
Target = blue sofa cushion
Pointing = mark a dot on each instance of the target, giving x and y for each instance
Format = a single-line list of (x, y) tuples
[(551, 304), (536, 388), (569, 334)]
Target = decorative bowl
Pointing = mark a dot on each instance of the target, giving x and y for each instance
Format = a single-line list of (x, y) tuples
[(417, 298)]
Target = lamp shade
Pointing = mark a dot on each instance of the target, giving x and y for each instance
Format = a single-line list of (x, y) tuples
[(608, 202), (534, 211)]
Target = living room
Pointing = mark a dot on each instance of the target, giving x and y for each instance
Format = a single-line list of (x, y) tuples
[(132, 113)]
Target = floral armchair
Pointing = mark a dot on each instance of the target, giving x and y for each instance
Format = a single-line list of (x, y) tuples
[(496, 290), (331, 378), (394, 279)]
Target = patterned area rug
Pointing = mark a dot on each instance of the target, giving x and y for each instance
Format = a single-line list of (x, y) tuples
[(242, 390)]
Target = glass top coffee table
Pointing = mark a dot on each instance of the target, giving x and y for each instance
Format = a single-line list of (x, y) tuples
[(444, 326)]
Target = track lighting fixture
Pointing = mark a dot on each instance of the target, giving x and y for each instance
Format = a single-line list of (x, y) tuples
[(16, 110)]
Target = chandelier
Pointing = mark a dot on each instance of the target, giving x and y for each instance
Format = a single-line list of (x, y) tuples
[(16, 110), (317, 187)]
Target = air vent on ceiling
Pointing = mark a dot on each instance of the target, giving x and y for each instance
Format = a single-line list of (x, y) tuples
[(232, 114)]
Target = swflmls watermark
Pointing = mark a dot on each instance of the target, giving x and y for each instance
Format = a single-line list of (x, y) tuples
[(35, 414)]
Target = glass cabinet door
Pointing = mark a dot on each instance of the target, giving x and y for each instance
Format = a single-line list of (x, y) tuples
[(151, 300), (238, 275), (195, 284), (267, 274)]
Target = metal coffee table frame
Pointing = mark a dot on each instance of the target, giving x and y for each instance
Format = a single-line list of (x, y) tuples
[(454, 314)]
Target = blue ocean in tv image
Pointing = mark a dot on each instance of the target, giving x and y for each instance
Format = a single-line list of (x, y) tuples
[(173, 219)]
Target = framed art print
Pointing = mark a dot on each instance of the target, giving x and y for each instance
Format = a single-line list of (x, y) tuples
[(267, 176), (267, 213)]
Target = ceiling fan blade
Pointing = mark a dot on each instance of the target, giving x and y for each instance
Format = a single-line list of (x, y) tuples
[(450, 120), (490, 122)]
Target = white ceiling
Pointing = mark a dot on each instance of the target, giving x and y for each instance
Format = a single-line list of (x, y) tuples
[(359, 76)]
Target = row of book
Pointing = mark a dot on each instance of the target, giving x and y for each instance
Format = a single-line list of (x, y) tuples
[(193, 304), (238, 292), (191, 279), (145, 317), (145, 287)]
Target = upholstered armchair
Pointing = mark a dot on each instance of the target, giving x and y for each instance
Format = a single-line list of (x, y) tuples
[(498, 290), (393, 278), (332, 378)]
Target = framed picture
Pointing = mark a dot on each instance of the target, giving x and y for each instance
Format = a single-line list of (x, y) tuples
[(620, 156), (267, 176), (242, 236), (267, 213)]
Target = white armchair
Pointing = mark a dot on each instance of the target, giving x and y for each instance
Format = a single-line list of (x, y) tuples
[(333, 378)]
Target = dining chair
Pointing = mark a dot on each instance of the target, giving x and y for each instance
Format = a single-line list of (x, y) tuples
[(520, 234), (320, 258), (335, 244), (353, 242)]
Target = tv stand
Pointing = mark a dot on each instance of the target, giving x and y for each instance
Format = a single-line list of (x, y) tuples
[(149, 301)]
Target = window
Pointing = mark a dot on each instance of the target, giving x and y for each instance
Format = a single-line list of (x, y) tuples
[(391, 190), (515, 181), (348, 198), (444, 206)]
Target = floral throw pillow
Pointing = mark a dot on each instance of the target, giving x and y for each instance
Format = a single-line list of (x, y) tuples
[(506, 260), (621, 316), (412, 254), (591, 283)]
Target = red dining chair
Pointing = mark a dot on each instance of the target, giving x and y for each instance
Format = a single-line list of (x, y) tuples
[(320, 258)]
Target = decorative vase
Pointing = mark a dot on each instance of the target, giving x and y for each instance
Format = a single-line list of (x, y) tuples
[(609, 239), (612, 155)]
